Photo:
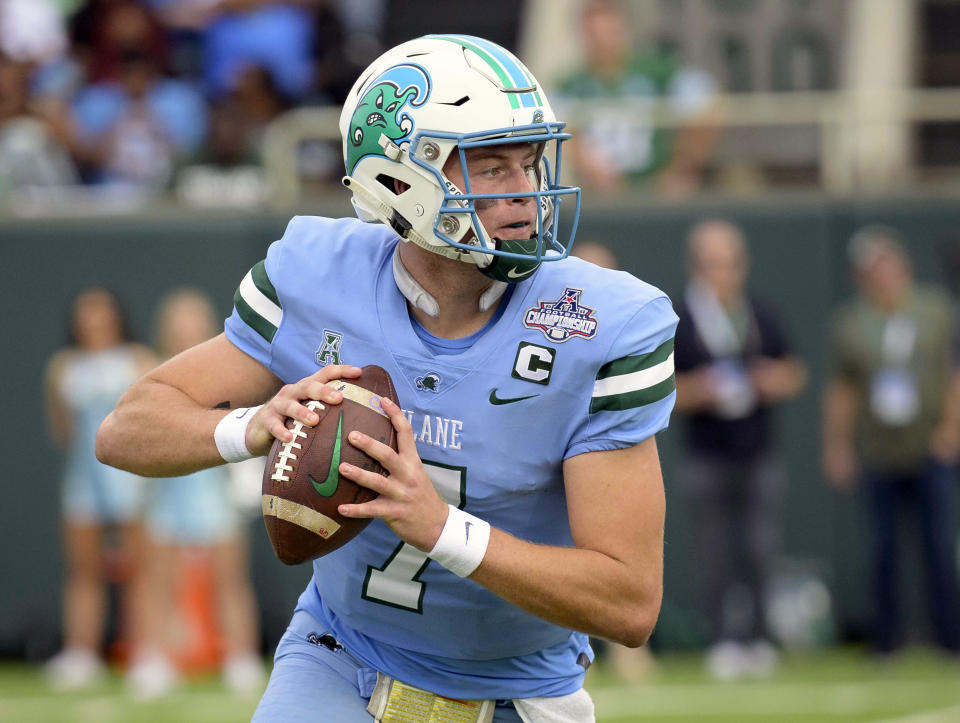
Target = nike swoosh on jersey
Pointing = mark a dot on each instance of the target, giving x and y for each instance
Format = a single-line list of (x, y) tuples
[(494, 399), (330, 484), (512, 273)]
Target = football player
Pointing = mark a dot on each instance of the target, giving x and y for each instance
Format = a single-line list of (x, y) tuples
[(524, 510)]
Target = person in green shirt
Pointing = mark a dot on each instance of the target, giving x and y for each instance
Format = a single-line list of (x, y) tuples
[(892, 422), (619, 144)]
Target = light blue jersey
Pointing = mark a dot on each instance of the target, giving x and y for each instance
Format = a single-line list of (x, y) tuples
[(580, 360), (90, 385)]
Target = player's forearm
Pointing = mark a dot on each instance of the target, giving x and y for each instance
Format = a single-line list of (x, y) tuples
[(158, 431), (581, 589)]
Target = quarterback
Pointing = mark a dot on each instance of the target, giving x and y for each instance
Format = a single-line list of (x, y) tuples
[(524, 509)]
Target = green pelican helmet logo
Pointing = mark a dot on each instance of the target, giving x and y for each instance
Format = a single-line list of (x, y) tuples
[(381, 111)]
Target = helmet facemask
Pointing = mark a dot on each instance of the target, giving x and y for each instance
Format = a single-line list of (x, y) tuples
[(507, 259)]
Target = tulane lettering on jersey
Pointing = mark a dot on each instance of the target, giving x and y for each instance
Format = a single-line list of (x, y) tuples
[(436, 431), (580, 360)]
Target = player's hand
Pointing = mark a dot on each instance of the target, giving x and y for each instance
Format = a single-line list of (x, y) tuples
[(270, 421), (408, 501)]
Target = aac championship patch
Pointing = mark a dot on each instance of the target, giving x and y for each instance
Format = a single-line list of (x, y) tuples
[(562, 319)]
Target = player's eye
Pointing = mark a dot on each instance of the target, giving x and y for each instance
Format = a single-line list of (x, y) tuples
[(484, 170)]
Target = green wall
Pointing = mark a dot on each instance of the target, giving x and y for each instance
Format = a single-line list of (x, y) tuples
[(798, 265)]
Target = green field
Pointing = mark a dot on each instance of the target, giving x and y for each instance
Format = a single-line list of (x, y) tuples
[(841, 685)]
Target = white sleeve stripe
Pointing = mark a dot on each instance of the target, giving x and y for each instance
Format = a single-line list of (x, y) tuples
[(258, 302), (635, 381)]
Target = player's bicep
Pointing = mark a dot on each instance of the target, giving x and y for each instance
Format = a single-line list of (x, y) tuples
[(217, 373), (615, 503)]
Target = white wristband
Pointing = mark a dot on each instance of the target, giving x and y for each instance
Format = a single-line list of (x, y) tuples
[(462, 543), (231, 434)]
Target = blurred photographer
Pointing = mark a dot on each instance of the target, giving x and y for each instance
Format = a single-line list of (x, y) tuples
[(734, 363), (892, 422)]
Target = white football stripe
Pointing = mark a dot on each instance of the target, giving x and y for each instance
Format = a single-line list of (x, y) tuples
[(300, 515), (635, 381), (258, 302)]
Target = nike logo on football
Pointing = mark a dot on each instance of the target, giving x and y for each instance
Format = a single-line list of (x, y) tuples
[(494, 399), (330, 484)]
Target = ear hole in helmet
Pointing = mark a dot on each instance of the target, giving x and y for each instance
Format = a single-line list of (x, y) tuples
[(394, 185)]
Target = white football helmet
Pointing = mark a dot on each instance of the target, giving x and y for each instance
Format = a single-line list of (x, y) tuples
[(433, 96)]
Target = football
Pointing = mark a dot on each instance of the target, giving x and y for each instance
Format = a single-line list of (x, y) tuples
[(302, 487)]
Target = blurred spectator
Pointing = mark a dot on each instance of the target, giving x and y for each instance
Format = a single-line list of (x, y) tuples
[(105, 32), (617, 145), (273, 34), (257, 102), (30, 152), (229, 172), (733, 364), (132, 131), (84, 380), (190, 513), (892, 423)]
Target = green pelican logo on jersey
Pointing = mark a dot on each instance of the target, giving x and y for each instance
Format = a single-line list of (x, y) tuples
[(380, 111), (330, 484), (329, 350), (429, 382)]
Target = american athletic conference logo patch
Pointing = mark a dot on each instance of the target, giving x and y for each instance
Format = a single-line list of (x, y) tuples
[(564, 318)]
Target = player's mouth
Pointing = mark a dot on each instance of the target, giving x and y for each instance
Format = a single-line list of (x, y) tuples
[(515, 230)]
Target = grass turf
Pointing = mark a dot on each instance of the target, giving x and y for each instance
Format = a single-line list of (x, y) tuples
[(830, 687)]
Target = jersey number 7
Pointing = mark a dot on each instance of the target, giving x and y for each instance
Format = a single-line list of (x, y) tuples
[(397, 582)]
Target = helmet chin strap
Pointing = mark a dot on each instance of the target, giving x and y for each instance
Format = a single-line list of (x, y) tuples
[(421, 298)]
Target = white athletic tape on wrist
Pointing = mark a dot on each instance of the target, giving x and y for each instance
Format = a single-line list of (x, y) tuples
[(462, 543), (231, 434)]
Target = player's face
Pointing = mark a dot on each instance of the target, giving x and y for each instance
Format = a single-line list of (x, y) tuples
[(508, 168)]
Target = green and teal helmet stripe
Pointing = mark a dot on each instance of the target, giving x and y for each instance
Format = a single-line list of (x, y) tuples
[(511, 72)]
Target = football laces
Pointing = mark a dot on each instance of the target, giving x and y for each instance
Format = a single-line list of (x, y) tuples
[(287, 453)]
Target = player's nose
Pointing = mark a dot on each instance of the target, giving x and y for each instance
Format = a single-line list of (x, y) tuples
[(519, 181)]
